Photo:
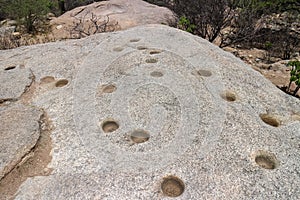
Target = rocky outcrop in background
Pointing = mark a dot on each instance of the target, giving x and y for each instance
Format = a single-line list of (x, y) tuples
[(107, 16)]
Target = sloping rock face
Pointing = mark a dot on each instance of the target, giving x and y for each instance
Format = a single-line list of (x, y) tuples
[(109, 16), (153, 113), (19, 132)]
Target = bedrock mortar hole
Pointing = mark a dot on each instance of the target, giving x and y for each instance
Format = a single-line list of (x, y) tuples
[(118, 49), (155, 52), (270, 120), (47, 79), (141, 48), (228, 96), (139, 136), (10, 68), (172, 186), (109, 88), (134, 40), (151, 60), (204, 73), (266, 160), (156, 74), (109, 126), (61, 83)]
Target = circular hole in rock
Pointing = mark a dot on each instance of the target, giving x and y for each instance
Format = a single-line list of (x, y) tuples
[(61, 83), (155, 52), (10, 68), (109, 126), (141, 48), (118, 49), (156, 74), (266, 160), (172, 186), (47, 79), (151, 60), (139, 136), (205, 73), (134, 40), (229, 96), (270, 119), (109, 88)]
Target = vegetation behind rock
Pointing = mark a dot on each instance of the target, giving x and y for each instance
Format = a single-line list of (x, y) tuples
[(272, 25), (29, 13)]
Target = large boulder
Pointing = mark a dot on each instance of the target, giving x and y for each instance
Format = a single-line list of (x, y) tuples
[(154, 112), (109, 16)]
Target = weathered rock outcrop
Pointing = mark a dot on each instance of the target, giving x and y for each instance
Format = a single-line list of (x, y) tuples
[(108, 16), (154, 112)]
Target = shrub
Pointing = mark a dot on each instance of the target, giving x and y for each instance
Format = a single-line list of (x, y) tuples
[(185, 24), (208, 18), (295, 75)]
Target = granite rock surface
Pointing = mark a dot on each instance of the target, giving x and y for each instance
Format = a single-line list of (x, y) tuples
[(157, 113), (19, 132)]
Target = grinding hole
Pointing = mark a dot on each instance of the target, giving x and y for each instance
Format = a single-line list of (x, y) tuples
[(139, 136), (10, 68), (134, 40), (156, 74), (266, 160), (205, 73), (118, 49), (155, 52), (228, 96), (61, 83), (109, 126), (151, 60), (47, 79), (172, 186), (109, 88), (142, 48), (270, 119)]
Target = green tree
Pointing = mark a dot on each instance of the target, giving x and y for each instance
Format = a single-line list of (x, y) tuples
[(28, 13)]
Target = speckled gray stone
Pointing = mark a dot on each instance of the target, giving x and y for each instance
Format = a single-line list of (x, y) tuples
[(199, 105), (19, 132), (14, 81)]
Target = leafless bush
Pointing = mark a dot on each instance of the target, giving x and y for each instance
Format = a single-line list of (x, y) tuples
[(242, 29), (281, 43), (274, 33), (89, 24)]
